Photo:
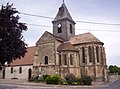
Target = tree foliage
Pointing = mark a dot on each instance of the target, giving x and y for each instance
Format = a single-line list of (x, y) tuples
[(12, 45), (114, 69)]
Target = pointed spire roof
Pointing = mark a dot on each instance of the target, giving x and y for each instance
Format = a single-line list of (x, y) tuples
[(63, 13)]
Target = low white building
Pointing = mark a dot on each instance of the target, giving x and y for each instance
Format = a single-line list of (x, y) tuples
[(21, 68)]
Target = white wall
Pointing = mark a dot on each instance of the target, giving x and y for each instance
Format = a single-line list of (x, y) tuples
[(1, 74), (23, 75)]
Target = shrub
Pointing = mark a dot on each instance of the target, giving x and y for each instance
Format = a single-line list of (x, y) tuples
[(45, 76), (86, 80), (71, 79), (63, 81), (74, 83), (79, 81), (53, 79), (48, 80), (69, 76)]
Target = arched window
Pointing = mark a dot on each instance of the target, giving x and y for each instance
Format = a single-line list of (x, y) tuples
[(46, 60), (59, 28), (101, 52), (11, 70), (71, 59), (65, 59), (59, 59), (79, 58), (90, 53), (83, 54), (97, 53), (71, 29), (20, 70)]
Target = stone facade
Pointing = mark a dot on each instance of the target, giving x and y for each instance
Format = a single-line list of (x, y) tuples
[(63, 52)]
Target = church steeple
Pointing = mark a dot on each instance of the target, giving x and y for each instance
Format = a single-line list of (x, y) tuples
[(63, 24), (63, 13)]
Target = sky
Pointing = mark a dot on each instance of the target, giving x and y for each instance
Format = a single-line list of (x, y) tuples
[(98, 11)]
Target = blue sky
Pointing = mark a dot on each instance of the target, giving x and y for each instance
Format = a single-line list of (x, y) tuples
[(99, 11)]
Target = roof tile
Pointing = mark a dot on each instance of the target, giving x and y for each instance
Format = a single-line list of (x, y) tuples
[(67, 46), (26, 60), (83, 38)]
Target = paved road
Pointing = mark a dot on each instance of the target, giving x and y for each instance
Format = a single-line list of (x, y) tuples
[(114, 85)]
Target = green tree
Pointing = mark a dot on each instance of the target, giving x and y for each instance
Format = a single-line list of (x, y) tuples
[(114, 69), (12, 45), (111, 69)]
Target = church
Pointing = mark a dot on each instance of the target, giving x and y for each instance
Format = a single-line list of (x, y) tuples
[(62, 52)]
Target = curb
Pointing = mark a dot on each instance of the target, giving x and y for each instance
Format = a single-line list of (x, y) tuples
[(53, 86), (30, 84)]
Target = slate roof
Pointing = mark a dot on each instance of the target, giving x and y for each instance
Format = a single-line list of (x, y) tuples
[(26, 60), (84, 38), (67, 46), (63, 13)]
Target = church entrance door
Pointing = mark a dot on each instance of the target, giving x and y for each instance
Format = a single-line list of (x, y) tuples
[(29, 73)]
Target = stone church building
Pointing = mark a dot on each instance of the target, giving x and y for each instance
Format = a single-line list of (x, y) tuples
[(63, 52)]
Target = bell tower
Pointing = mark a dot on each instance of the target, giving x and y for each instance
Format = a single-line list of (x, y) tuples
[(63, 24)]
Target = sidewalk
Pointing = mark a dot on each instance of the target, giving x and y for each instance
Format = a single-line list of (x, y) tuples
[(20, 82), (26, 83)]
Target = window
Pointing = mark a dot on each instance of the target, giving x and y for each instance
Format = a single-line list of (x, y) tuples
[(11, 70), (71, 28), (20, 70), (65, 59), (46, 60), (83, 54), (90, 54), (71, 59), (79, 57), (97, 53), (59, 28), (101, 54), (59, 59)]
